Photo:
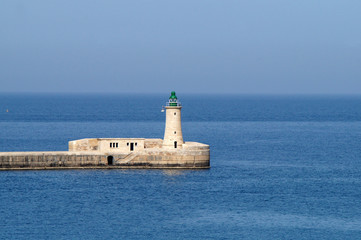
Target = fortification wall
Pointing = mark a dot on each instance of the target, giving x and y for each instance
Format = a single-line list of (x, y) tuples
[(23, 160), (168, 159), (153, 158), (86, 144), (153, 143), (107, 144)]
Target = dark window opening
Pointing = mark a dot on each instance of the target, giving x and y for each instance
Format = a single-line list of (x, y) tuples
[(136, 144), (110, 144), (116, 145), (175, 132), (175, 113), (127, 144), (110, 160), (131, 146), (175, 144)]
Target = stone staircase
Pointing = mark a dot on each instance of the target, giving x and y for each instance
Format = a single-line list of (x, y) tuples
[(127, 158)]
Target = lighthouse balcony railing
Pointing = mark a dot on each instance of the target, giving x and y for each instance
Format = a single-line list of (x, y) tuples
[(173, 104)]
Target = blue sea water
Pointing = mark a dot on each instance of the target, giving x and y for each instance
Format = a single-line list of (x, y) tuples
[(283, 167)]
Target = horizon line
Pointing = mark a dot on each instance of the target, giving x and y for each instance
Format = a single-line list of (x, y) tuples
[(185, 93)]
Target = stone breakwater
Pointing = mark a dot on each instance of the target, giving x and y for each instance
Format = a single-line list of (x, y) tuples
[(169, 152), (192, 156)]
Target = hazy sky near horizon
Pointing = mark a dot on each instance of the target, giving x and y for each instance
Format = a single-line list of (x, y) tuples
[(202, 46)]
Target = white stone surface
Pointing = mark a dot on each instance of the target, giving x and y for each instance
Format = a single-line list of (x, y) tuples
[(173, 127)]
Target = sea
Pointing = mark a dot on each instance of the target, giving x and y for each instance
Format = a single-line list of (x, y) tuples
[(282, 167)]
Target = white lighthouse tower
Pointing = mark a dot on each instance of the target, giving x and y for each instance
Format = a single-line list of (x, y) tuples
[(173, 137)]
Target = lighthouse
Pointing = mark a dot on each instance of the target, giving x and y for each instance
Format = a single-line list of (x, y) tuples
[(173, 137)]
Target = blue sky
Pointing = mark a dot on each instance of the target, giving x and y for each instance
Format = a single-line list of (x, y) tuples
[(245, 47)]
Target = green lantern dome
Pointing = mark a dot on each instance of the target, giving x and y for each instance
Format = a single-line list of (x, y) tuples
[(172, 95), (173, 99)]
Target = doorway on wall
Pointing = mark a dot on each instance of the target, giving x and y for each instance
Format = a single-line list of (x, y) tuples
[(175, 144), (131, 146), (110, 160)]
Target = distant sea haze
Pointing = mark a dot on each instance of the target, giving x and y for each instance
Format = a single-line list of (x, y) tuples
[(136, 107)]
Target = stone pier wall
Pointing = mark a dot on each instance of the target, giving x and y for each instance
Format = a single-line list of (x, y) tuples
[(23, 160), (191, 158)]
